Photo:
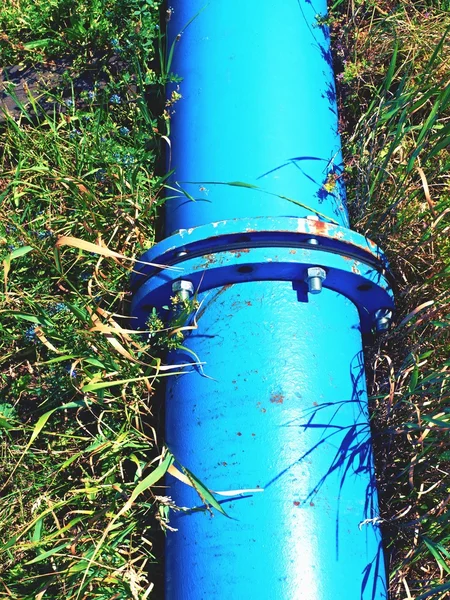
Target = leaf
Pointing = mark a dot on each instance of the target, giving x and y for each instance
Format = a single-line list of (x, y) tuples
[(263, 191), (414, 379), (37, 430), (90, 387), (415, 311), (26, 317), (94, 362), (41, 337), (80, 313), (47, 554), (434, 549), (17, 253), (436, 148), (434, 591), (37, 531), (21, 251), (388, 79), (243, 184), (8, 415), (69, 461), (102, 250), (58, 359), (57, 258), (184, 479), (150, 480), (116, 344), (203, 491), (37, 44)]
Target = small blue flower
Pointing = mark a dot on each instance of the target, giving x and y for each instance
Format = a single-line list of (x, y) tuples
[(69, 103), (115, 44), (91, 95), (124, 131), (30, 334), (74, 134), (41, 235), (115, 99), (85, 276), (124, 159), (100, 175), (57, 308), (69, 368)]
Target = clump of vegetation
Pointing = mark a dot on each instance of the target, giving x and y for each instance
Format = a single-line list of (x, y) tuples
[(80, 192), (80, 514), (42, 31), (393, 65)]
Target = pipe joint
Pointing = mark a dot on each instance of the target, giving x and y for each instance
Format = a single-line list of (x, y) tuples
[(267, 249)]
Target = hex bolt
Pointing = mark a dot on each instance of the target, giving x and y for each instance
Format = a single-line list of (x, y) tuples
[(181, 253), (383, 318), (315, 277), (184, 289), (312, 241)]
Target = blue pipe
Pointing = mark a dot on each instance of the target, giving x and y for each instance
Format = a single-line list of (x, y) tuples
[(276, 415)]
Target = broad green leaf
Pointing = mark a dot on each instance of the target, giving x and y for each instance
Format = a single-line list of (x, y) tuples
[(152, 478), (37, 44), (434, 549), (47, 554), (203, 491), (20, 251)]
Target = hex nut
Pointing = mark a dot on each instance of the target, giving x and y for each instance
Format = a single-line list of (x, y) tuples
[(184, 288), (383, 318), (314, 278), (316, 272)]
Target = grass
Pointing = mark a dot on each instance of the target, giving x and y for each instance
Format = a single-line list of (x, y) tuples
[(395, 106), (82, 503), (81, 509)]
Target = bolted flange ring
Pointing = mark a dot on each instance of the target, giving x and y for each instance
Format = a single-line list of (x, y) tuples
[(266, 249)]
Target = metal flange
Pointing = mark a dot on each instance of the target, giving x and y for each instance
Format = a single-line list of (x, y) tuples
[(266, 249)]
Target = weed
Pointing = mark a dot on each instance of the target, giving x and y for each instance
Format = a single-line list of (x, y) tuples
[(395, 106), (79, 197), (80, 194)]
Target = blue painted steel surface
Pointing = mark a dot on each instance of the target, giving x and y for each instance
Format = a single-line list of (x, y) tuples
[(280, 402), (259, 107), (259, 231), (281, 405)]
